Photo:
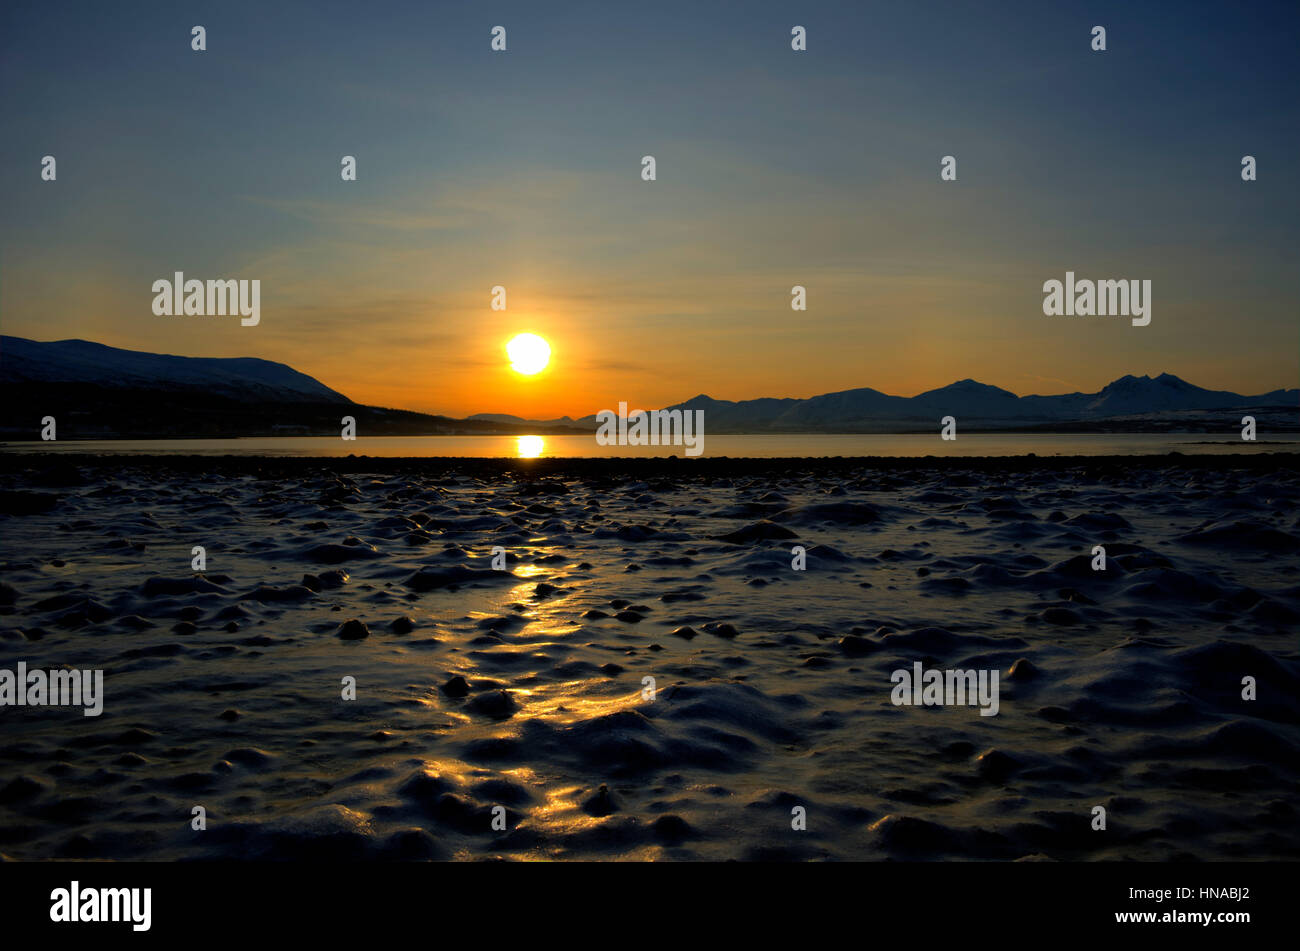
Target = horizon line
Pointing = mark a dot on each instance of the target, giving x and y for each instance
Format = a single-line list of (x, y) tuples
[(701, 395)]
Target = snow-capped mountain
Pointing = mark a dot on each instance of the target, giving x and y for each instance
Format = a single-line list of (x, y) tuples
[(246, 379)]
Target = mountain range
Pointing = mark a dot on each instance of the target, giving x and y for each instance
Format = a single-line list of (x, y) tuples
[(97, 390), (84, 362), (979, 405)]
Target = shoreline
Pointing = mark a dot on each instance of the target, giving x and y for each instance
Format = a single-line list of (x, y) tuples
[(584, 467)]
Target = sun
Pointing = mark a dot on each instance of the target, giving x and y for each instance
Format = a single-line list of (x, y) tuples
[(528, 354)]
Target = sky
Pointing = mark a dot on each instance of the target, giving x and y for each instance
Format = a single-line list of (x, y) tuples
[(774, 168)]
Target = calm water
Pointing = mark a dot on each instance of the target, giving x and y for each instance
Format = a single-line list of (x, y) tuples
[(767, 446)]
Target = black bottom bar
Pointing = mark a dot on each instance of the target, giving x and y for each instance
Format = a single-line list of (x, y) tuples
[(910, 901)]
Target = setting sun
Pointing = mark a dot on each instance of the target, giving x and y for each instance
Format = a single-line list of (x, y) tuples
[(528, 354)]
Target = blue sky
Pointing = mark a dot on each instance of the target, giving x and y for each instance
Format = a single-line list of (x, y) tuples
[(775, 168)]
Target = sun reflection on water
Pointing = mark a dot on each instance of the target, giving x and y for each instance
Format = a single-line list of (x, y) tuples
[(526, 571)]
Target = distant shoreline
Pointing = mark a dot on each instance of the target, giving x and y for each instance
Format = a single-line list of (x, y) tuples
[(63, 466)]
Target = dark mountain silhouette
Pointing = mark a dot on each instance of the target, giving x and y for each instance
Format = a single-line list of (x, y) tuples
[(1140, 403), (96, 390), (81, 361)]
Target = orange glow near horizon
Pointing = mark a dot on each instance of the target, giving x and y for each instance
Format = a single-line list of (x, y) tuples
[(662, 345)]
